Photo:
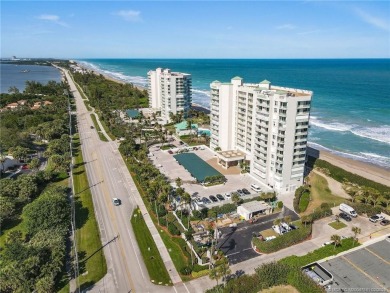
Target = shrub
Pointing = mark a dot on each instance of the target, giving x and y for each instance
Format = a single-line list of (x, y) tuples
[(161, 211), (225, 209), (272, 274), (173, 229), (200, 273), (163, 222), (199, 268), (196, 215), (321, 213), (280, 204), (341, 175), (303, 283), (283, 241), (367, 209), (185, 271)]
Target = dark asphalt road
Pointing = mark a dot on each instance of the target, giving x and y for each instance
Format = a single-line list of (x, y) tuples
[(236, 242)]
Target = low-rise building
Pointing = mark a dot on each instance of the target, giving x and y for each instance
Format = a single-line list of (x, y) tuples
[(250, 209)]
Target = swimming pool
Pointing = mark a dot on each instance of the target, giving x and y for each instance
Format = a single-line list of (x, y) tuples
[(203, 130)]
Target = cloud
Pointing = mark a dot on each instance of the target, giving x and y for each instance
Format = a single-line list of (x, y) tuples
[(53, 18), (373, 20), (129, 15), (287, 26), (310, 32)]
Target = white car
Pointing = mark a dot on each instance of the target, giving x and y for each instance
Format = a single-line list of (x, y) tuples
[(327, 243), (376, 218), (228, 195), (279, 230)]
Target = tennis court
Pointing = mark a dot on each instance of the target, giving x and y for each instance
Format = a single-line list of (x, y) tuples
[(198, 168)]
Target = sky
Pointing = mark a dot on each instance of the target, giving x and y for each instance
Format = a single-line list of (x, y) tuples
[(195, 29)]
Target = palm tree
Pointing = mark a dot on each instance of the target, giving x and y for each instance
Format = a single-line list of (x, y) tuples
[(356, 230), (375, 196), (179, 182), (224, 268), (336, 240), (306, 219), (236, 198), (277, 222), (287, 220)]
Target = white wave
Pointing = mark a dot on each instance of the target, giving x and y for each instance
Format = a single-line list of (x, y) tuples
[(364, 157), (207, 93), (334, 126), (381, 133)]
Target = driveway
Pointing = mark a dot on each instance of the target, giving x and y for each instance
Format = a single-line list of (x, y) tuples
[(236, 242)]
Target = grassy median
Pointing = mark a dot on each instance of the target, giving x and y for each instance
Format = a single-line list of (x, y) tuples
[(92, 264), (156, 268)]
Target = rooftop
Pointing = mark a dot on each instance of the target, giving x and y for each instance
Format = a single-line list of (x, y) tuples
[(254, 206), (231, 154)]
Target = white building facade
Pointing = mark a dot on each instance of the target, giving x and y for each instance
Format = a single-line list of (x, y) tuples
[(170, 92), (268, 123)]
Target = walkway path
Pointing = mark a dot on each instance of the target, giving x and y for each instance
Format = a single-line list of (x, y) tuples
[(335, 187)]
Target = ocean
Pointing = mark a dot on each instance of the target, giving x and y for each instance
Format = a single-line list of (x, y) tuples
[(350, 113), (17, 75)]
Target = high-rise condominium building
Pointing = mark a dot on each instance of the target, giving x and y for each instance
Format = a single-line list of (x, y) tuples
[(170, 92), (269, 124)]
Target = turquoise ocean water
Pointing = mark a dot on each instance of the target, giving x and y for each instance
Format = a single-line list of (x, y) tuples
[(351, 104)]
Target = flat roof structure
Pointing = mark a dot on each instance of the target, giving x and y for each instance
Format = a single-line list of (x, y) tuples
[(227, 158), (249, 209), (198, 168)]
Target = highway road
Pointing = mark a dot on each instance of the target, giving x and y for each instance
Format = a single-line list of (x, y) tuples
[(108, 178)]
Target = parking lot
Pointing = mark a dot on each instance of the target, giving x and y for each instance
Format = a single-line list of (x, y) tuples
[(366, 269), (170, 168), (236, 242)]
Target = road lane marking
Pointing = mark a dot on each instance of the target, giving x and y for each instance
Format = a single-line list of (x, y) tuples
[(377, 255)]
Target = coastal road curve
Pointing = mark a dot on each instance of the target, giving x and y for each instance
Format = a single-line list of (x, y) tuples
[(108, 177)]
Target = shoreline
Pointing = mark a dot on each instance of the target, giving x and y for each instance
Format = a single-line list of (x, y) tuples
[(367, 170)]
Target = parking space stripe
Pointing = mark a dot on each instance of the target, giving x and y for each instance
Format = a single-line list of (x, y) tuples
[(370, 251), (363, 272)]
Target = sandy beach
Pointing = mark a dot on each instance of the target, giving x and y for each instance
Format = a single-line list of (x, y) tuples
[(369, 171)]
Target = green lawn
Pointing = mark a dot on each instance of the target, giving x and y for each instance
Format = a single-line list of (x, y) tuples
[(304, 201), (192, 140), (87, 233), (157, 272), (176, 246), (337, 225), (167, 147)]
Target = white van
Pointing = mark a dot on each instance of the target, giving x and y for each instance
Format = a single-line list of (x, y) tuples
[(348, 209), (255, 187)]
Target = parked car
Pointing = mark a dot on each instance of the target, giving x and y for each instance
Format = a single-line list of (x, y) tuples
[(170, 152), (206, 200), (228, 195), (92, 127), (116, 201), (25, 167), (279, 229), (255, 187), (376, 218), (240, 192), (345, 217), (348, 210), (245, 191), (385, 222), (213, 198), (220, 197)]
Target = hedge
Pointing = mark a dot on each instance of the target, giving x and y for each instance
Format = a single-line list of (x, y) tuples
[(283, 241), (320, 253), (200, 274), (303, 283), (321, 213), (340, 175)]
